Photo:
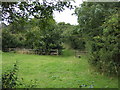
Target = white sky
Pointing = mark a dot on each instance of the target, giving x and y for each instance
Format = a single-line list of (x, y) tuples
[(66, 16)]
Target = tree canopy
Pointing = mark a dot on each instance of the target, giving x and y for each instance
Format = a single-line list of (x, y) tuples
[(98, 24), (31, 24)]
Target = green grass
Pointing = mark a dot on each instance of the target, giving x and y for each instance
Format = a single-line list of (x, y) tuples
[(57, 71)]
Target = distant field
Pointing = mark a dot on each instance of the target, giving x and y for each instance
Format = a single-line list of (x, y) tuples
[(57, 71)]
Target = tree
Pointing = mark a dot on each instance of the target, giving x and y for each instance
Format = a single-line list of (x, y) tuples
[(45, 36), (41, 26), (32, 8), (97, 28), (8, 40)]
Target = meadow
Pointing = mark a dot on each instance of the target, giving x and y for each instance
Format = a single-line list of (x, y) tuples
[(63, 71)]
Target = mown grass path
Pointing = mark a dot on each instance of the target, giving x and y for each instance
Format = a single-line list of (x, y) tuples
[(57, 71)]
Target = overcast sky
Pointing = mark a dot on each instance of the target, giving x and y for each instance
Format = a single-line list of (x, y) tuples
[(66, 16)]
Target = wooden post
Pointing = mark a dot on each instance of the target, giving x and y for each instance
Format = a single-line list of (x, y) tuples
[(57, 52)]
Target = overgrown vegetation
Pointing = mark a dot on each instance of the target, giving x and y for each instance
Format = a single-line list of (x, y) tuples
[(98, 24), (10, 79)]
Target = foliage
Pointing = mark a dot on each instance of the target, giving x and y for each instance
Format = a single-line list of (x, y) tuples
[(37, 9), (98, 24), (70, 36), (75, 39), (45, 36), (8, 40), (11, 38), (111, 47), (10, 79), (42, 35), (39, 32)]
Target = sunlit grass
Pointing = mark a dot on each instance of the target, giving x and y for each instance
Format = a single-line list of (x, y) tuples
[(64, 71)]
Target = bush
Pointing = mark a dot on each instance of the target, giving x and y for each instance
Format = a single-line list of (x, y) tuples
[(100, 30), (10, 80), (105, 54)]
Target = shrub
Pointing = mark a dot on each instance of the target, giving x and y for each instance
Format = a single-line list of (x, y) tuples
[(10, 80)]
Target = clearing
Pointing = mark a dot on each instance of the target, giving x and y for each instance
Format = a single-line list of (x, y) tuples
[(57, 71)]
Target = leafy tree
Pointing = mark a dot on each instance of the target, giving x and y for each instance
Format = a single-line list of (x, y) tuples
[(8, 40), (70, 36), (76, 40), (38, 32), (97, 28), (45, 36), (33, 8)]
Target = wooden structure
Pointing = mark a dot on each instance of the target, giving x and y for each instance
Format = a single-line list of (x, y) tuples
[(33, 51), (54, 52), (79, 53)]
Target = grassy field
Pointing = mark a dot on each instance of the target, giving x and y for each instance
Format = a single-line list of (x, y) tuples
[(57, 71)]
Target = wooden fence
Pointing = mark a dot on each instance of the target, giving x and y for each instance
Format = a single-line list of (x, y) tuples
[(40, 52), (33, 51), (79, 53)]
